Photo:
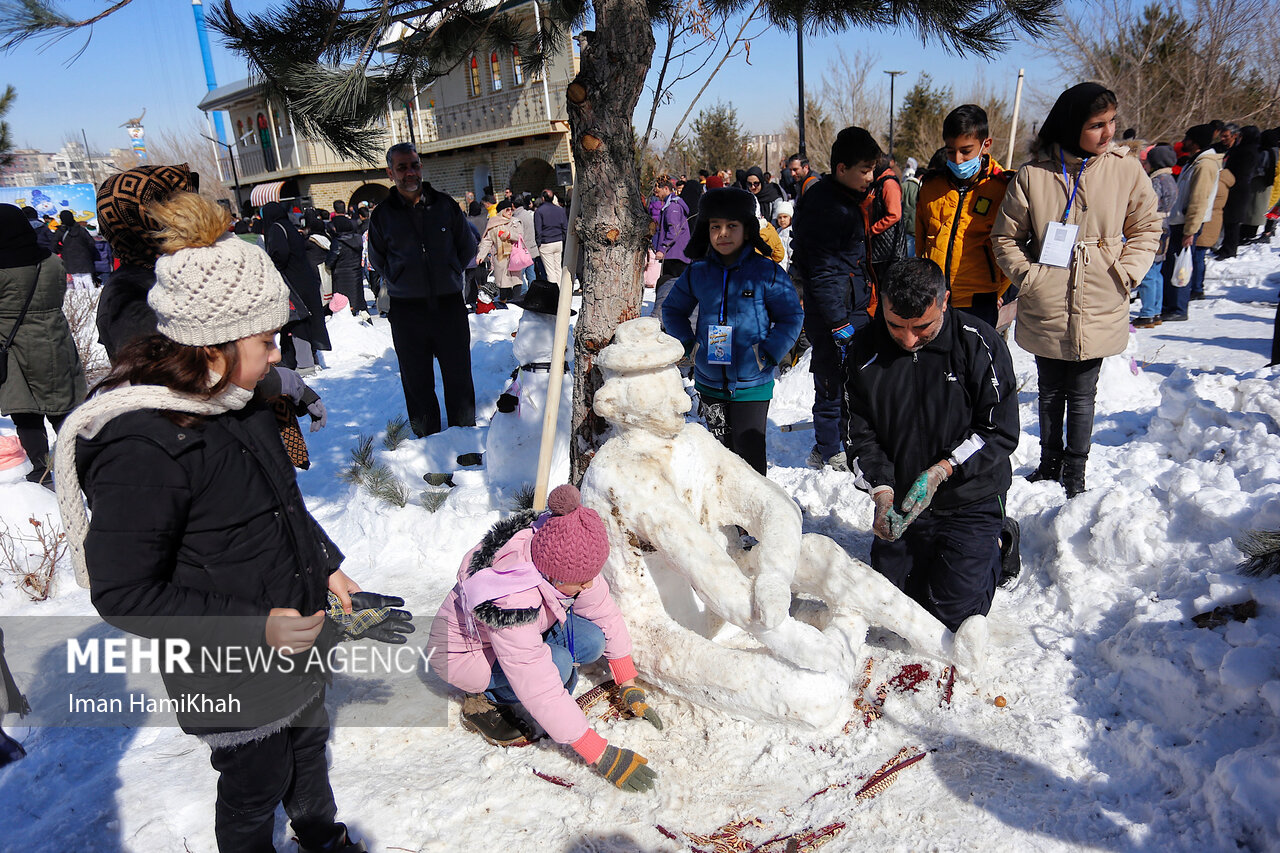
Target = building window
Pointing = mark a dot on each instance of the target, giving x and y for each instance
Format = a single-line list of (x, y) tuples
[(474, 79), (495, 71), (517, 73)]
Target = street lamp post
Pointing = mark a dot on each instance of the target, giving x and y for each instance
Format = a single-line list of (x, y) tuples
[(235, 176), (893, 75), (800, 77)]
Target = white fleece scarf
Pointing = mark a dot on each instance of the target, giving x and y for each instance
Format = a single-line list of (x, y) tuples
[(88, 420)]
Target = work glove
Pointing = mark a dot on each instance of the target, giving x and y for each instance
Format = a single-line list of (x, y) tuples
[(921, 493), (887, 522), (634, 700), (843, 334), (372, 615), (627, 770), (319, 417)]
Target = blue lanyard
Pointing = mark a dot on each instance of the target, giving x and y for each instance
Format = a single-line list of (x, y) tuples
[(1079, 180), (568, 624), (724, 297)]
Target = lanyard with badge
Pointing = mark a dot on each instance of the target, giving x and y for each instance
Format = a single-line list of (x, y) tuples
[(720, 335), (1059, 237)]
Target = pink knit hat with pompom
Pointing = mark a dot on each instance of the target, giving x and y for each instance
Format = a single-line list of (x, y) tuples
[(572, 545)]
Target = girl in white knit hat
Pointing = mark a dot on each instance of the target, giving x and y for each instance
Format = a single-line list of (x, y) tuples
[(199, 531)]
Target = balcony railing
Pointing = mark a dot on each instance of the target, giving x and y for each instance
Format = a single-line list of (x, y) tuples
[(518, 111)]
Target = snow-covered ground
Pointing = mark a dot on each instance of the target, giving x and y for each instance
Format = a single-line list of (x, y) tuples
[(1126, 726)]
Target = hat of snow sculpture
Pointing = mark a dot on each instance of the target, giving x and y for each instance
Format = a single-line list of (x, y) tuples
[(572, 545), (12, 456), (640, 345)]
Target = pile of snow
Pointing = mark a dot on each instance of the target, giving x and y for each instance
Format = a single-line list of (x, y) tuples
[(1126, 726)]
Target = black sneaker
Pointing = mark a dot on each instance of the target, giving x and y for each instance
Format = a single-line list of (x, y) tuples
[(341, 843), (1196, 297), (498, 724), (1173, 318), (1010, 556)]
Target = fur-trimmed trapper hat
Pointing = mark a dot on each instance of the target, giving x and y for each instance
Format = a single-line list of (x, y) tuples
[(727, 203)]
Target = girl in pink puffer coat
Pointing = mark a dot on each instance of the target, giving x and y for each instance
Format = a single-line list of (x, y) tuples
[(528, 609)]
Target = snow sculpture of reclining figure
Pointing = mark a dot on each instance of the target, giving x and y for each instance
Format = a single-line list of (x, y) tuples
[(671, 496)]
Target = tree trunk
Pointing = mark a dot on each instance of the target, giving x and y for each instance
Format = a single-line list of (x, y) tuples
[(612, 227)]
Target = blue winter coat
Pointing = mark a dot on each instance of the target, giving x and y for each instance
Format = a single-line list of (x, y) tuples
[(762, 307)]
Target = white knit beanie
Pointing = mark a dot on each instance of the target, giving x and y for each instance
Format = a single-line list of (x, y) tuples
[(217, 294)]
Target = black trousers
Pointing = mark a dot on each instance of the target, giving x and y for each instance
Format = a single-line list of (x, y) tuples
[(1067, 393), (35, 441), (738, 425), (287, 767), (673, 267), (423, 332), (950, 563), (984, 308), (830, 418)]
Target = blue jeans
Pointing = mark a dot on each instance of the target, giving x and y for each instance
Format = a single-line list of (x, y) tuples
[(1151, 291), (530, 273), (588, 646)]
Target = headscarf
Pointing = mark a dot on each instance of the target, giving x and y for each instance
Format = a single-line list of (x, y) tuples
[(18, 246), (122, 218), (1063, 125)]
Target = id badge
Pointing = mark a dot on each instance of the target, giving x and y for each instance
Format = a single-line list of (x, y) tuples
[(720, 345), (1059, 241)]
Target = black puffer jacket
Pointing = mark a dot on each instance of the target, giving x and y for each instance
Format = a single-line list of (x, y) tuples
[(288, 250), (123, 312), (198, 532), (829, 252), (344, 262)]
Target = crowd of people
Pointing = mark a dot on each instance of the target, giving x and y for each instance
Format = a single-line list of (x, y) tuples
[(897, 282)]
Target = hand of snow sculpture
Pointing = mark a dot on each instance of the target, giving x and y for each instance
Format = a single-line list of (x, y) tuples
[(673, 498)]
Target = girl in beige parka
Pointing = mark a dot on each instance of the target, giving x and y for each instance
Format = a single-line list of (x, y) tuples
[(1073, 311)]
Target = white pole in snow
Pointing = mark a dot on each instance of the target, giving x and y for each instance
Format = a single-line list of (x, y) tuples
[(556, 380), (1013, 129)]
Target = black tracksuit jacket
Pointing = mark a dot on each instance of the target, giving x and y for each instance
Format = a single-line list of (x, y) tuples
[(907, 411)]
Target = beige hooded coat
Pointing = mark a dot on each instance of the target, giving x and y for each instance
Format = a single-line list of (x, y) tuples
[(1080, 312)]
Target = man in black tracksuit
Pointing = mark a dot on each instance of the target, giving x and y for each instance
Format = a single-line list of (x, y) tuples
[(420, 244), (829, 244), (933, 417)]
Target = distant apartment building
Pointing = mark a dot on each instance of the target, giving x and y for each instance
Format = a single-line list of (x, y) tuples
[(487, 123), (30, 168), (73, 164)]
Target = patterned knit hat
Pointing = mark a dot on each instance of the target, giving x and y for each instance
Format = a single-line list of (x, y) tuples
[(571, 546), (122, 200)]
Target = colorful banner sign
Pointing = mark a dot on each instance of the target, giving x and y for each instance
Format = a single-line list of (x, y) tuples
[(80, 199)]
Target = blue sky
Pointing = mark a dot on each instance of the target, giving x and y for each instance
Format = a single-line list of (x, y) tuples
[(147, 55)]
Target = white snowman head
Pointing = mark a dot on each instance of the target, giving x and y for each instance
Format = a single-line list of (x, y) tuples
[(535, 337)]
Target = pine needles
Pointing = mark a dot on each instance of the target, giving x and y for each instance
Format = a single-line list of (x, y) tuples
[(397, 432), (523, 498), (374, 477), (1262, 553), (433, 499)]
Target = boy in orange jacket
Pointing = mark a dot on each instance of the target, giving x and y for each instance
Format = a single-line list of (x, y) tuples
[(955, 211)]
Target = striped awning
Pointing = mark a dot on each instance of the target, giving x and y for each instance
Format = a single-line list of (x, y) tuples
[(264, 193)]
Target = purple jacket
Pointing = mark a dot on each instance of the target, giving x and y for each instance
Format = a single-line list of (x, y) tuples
[(508, 629), (672, 236)]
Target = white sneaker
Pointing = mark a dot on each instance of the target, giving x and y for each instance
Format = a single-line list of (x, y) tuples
[(814, 460), (364, 317)]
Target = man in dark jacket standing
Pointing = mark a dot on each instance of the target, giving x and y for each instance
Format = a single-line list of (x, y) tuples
[(933, 417), (75, 245), (829, 245), (550, 227), (420, 243)]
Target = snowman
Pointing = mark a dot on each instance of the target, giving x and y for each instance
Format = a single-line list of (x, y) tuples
[(515, 430), (21, 500)]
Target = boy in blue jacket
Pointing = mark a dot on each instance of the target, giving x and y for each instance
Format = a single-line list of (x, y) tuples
[(748, 319)]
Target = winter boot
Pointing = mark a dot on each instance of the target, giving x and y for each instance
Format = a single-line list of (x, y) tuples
[(1050, 468), (1010, 556), (1073, 476), (342, 843), (497, 724)]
